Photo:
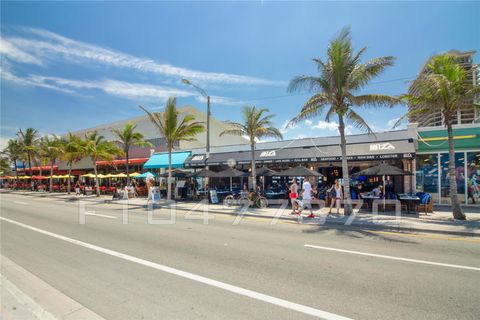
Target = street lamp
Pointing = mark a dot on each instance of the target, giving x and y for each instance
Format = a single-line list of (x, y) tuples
[(205, 95)]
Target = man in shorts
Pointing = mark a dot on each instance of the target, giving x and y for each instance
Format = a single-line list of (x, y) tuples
[(307, 197)]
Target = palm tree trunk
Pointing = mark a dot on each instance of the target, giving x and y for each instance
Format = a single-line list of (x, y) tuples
[(69, 183), (51, 174), (456, 207), (16, 172), (254, 170), (29, 164), (126, 166), (169, 185), (97, 185), (346, 175)]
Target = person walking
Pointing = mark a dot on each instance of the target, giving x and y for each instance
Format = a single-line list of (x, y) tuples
[(337, 192), (307, 197), (77, 188), (293, 195)]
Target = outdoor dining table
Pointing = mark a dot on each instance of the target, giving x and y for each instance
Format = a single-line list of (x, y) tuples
[(410, 200), (369, 197)]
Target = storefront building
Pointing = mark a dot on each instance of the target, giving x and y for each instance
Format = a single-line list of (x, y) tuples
[(432, 163), (322, 155)]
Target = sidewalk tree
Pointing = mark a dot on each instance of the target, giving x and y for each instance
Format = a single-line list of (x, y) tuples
[(340, 78), (174, 129), (97, 148), (128, 137), (256, 124), (51, 148), (14, 152), (73, 151), (29, 142), (442, 87)]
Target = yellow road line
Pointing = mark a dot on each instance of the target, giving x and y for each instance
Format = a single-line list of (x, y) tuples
[(435, 237)]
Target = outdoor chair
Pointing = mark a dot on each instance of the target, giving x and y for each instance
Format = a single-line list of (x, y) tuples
[(426, 203)]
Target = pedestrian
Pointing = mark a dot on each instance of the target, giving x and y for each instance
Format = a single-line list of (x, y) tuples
[(307, 197), (336, 194), (77, 188), (293, 195)]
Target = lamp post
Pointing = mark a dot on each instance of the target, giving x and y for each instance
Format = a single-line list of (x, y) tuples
[(205, 95)]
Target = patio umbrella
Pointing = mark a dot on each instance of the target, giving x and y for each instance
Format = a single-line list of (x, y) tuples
[(383, 170), (299, 171), (39, 177), (118, 175), (134, 174), (204, 173), (145, 174), (230, 173), (266, 172), (88, 175), (175, 173)]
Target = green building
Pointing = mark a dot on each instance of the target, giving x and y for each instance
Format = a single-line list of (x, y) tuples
[(432, 163)]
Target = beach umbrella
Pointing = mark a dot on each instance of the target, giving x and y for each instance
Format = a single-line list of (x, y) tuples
[(299, 171)]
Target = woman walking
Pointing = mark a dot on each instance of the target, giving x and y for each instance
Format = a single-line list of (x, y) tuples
[(293, 195), (336, 193)]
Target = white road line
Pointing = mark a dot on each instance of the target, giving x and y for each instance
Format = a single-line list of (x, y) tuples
[(222, 285), (394, 258), (21, 202), (99, 215)]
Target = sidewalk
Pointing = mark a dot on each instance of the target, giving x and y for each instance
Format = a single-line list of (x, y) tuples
[(25, 296), (440, 221)]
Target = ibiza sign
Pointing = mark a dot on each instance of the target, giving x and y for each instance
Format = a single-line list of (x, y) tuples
[(265, 154), (382, 146)]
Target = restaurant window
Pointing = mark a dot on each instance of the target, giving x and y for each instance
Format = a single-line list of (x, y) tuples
[(427, 175), (473, 178), (459, 174)]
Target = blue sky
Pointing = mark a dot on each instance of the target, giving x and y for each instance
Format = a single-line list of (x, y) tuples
[(72, 65)]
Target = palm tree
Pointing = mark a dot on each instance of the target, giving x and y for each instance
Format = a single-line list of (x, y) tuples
[(51, 147), (29, 141), (255, 125), (73, 151), (174, 130), (442, 87), (341, 76), (128, 137), (14, 152), (97, 148)]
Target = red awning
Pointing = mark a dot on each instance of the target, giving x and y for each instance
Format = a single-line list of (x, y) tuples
[(122, 161), (55, 167)]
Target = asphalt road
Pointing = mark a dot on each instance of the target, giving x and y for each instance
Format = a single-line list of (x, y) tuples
[(254, 270)]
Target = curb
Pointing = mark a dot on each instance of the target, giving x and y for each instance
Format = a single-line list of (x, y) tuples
[(40, 298)]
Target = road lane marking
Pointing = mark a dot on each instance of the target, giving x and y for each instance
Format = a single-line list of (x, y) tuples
[(435, 237), (21, 202), (393, 258), (191, 276), (99, 215)]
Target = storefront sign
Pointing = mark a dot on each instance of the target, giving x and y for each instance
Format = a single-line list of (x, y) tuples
[(382, 146), (271, 153)]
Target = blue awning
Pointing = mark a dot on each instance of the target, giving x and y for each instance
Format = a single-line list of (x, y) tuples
[(160, 160)]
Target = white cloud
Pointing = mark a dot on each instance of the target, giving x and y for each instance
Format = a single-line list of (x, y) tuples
[(112, 87), (285, 128), (392, 122), (308, 122), (51, 46), (220, 100), (300, 136), (324, 125), (9, 50), (30, 81)]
